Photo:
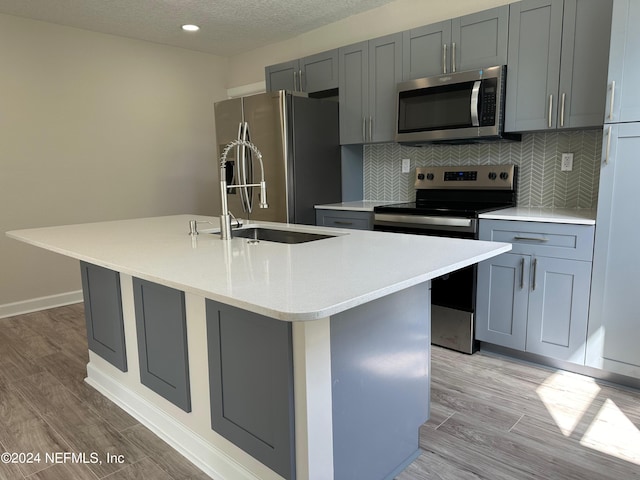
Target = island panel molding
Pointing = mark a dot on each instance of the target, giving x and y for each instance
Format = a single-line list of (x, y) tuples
[(251, 384), (161, 326), (103, 313)]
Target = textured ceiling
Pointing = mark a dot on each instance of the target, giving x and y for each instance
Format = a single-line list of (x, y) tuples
[(227, 27)]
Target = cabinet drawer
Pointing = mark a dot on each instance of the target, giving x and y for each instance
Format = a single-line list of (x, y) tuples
[(345, 219), (537, 238)]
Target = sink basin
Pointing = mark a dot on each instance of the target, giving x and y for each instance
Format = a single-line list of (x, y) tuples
[(279, 236)]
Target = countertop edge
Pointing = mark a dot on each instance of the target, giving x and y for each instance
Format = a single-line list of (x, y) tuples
[(289, 316)]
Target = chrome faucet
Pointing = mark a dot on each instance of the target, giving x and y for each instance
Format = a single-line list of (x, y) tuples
[(225, 218)]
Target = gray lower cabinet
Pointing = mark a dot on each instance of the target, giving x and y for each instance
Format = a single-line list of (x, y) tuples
[(623, 98), (103, 313), (311, 74), (251, 384), (368, 75), (557, 64), (162, 341), (536, 299), (614, 322), (357, 220), (464, 43)]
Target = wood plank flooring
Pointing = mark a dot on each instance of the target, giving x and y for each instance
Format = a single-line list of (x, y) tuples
[(491, 418)]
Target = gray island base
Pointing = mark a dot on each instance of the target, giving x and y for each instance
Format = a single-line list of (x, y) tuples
[(264, 361)]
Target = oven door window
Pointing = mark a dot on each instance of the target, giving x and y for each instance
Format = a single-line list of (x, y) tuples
[(435, 108), (455, 290)]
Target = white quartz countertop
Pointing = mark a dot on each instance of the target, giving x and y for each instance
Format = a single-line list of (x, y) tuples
[(297, 282), (359, 205), (552, 215)]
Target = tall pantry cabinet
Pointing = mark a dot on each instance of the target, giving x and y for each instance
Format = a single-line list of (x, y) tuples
[(614, 321)]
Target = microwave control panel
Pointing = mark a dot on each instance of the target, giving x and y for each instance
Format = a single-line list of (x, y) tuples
[(488, 102)]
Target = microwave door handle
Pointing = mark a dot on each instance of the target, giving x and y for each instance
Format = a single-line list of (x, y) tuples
[(475, 103)]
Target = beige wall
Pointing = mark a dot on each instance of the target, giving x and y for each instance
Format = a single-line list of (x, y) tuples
[(96, 127), (394, 17)]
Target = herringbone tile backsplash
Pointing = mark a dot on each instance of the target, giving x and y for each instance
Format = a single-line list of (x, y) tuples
[(541, 182)]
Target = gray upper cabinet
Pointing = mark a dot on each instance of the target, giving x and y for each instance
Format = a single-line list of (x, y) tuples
[(424, 50), (536, 299), (473, 41), (614, 323), (558, 56), (311, 74), (623, 96), (369, 72), (283, 76)]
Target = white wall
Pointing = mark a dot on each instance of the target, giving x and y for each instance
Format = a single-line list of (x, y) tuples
[(394, 17), (97, 127)]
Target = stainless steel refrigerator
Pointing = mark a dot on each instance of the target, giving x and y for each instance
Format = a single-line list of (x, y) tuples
[(300, 145)]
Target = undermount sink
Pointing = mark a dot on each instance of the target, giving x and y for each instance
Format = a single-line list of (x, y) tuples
[(279, 236)]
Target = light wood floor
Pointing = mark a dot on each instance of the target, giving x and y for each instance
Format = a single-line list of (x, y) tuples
[(491, 418)]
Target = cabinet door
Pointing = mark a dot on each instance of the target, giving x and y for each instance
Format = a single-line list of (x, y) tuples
[(583, 71), (480, 40), (535, 35), (424, 50), (558, 308), (283, 76), (103, 313), (614, 324), (385, 71), (623, 96), (319, 72), (251, 384), (353, 71), (162, 341), (502, 300)]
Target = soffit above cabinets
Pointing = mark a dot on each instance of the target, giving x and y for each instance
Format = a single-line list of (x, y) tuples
[(227, 27)]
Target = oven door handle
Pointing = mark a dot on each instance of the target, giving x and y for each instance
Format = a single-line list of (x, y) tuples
[(423, 220), (475, 103)]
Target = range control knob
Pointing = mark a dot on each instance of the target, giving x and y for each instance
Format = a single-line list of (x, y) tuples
[(504, 175), (430, 176), (492, 175), (421, 176)]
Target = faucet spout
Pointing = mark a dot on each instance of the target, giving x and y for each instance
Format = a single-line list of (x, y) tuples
[(225, 217)]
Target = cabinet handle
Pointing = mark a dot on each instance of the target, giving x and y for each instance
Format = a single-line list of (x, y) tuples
[(562, 110), (608, 150), (535, 271), (370, 129), (444, 58), (341, 222), (613, 92), (550, 108), (453, 57), (521, 273), (300, 81), (535, 239)]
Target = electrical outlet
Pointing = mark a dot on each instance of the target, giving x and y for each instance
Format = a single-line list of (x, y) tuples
[(406, 165), (567, 162)]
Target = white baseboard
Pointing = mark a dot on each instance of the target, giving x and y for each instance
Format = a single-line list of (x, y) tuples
[(203, 454), (42, 303)]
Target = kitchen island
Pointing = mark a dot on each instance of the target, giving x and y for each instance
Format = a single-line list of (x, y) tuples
[(264, 360)]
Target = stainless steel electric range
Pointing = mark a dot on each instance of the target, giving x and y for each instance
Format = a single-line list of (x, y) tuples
[(448, 202)]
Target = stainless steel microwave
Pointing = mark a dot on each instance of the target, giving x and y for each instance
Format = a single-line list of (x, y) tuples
[(452, 108)]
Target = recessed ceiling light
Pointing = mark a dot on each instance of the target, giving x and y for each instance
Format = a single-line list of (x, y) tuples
[(190, 28)]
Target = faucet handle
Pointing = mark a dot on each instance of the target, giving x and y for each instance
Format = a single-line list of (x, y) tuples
[(193, 226)]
